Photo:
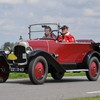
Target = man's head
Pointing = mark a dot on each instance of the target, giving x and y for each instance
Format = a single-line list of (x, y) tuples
[(48, 30), (65, 29)]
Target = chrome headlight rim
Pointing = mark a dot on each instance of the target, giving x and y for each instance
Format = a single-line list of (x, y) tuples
[(29, 49), (8, 50)]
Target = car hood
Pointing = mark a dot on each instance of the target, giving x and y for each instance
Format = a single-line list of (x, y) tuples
[(38, 44)]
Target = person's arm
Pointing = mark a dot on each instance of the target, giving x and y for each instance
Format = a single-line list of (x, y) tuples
[(53, 36), (71, 38), (60, 38)]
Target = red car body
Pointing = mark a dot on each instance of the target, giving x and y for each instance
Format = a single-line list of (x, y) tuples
[(68, 52), (41, 56)]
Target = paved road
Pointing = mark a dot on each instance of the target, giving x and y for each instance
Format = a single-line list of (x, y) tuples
[(69, 87)]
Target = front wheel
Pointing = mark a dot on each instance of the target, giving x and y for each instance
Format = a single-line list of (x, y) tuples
[(4, 72), (38, 70), (94, 69)]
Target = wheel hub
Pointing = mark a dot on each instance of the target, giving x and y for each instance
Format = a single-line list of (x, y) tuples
[(93, 69), (39, 70)]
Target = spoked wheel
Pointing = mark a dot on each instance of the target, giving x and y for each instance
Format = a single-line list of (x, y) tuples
[(56, 75), (38, 70), (4, 72), (94, 69)]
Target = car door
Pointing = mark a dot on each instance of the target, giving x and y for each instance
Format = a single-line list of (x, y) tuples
[(69, 52)]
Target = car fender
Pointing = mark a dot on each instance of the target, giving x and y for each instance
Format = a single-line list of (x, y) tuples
[(3, 58), (50, 59), (89, 55)]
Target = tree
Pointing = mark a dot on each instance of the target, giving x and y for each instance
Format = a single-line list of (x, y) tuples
[(7, 44)]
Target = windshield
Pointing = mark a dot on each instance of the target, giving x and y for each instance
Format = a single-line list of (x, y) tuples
[(38, 30)]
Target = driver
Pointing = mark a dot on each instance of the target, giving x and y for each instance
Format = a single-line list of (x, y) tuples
[(65, 35), (48, 33)]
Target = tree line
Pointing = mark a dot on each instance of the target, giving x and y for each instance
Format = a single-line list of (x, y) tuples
[(6, 45)]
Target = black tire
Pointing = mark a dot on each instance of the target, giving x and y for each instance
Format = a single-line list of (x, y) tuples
[(3, 77), (38, 70), (4, 73), (94, 69), (56, 75)]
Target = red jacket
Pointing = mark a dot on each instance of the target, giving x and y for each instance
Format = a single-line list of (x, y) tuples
[(67, 38)]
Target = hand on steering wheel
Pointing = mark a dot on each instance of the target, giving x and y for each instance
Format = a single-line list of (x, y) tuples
[(59, 36)]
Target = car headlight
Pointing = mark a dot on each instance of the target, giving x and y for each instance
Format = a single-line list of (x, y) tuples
[(28, 50), (8, 50)]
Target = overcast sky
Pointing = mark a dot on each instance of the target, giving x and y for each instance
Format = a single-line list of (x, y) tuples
[(82, 16)]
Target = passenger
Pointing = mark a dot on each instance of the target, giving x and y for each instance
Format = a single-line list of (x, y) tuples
[(48, 33), (65, 35)]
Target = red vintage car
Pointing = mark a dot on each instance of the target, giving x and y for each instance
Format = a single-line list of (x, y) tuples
[(39, 56)]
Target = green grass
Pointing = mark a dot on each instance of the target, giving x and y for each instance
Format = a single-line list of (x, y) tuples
[(72, 74), (23, 75), (18, 75), (75, 74), (87, 98)]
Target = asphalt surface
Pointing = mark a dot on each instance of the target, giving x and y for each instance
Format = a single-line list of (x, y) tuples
[(69, 87)]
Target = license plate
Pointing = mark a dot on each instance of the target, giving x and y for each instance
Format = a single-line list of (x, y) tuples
[(17, 69), (24, 56)]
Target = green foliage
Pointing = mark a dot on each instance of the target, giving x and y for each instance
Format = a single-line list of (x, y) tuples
[(87, 98), (7, 44)]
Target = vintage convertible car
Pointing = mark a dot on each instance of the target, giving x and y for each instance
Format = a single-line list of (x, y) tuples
[(39, 56)]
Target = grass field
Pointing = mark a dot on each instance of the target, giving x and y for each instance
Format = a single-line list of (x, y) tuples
[(23, 75), (18, 75), (87, 98)]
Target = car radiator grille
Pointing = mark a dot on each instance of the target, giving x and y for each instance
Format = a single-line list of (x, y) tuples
[(20, 52)]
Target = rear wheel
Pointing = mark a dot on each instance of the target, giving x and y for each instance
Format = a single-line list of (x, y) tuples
[(94, 69), (4, 72), (38, 70), (56, 75)]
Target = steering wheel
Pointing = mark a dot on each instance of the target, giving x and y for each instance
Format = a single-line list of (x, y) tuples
[(58, 37)]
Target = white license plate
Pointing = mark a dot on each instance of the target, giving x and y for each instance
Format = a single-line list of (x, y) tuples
[(24, 56)]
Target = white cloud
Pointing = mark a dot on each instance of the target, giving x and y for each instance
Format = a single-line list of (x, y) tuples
[(8, 29), (11, 1), (83, 1), (58, 19), (91, 12), (32, 1), (82, 16), (52, 3), (19, 1), (2, 22)]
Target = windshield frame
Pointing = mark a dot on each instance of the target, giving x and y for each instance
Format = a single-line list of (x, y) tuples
[(42, 25)]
